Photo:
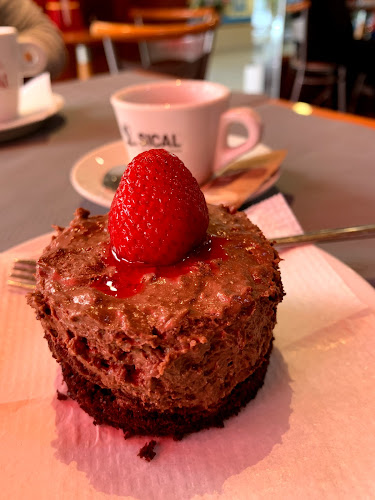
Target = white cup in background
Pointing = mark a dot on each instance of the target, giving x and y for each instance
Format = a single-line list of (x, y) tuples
[(17, 59), (189, 118)]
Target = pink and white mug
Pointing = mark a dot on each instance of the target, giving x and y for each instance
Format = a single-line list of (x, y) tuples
[(189, 118), (17, 59)]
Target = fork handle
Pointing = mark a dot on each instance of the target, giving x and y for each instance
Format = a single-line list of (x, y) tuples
[(339, 234)]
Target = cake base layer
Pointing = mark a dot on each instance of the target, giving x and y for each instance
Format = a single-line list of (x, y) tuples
[(105, 407)]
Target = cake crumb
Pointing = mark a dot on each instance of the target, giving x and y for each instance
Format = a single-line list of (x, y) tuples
[(128, 434), (61, 396), (147, 451)]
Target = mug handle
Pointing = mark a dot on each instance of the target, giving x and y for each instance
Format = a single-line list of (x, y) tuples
[(33, 58), (251, 121)]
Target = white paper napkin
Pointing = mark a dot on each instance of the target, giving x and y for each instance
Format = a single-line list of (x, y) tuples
[(309, 433), (308, 279), (35, 95)]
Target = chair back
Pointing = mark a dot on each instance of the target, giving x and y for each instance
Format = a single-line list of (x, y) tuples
[(322, 73), (299, 26), (176, 41)]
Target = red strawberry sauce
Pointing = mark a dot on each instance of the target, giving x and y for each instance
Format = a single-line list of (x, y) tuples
[(128, 277)]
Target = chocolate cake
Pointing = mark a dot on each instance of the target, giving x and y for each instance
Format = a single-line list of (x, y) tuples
[(160, 350)]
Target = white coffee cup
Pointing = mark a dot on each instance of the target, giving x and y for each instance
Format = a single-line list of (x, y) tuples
[(17, 59), (189, 118)]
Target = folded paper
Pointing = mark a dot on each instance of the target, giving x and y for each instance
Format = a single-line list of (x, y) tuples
[(242, 178), (36, 95)]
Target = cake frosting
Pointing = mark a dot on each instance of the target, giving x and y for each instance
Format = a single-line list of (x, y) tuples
[(160, 350)]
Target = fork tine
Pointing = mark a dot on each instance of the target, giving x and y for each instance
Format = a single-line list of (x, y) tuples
[(20, 284), (24, 264), (23, 276)]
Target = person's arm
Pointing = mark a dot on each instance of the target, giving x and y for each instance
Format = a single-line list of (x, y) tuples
[(33, 25)]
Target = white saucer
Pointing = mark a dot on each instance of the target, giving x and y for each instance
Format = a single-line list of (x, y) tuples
[(25, 124), (88, 172)]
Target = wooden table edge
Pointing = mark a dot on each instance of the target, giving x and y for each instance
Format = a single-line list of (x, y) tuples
[(329, 113)]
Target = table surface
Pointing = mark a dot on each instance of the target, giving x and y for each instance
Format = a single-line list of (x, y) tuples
[(328, 175)]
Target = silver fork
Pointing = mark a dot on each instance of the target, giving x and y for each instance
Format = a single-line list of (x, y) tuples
[(23, 272)]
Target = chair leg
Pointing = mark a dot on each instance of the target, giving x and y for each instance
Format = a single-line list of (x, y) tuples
[(341, 89), (357, 91), (110, 55), (324, 95), (144, 54), (297, 85)]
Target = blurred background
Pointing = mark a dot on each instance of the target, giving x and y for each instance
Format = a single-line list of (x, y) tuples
[(318, 51)]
